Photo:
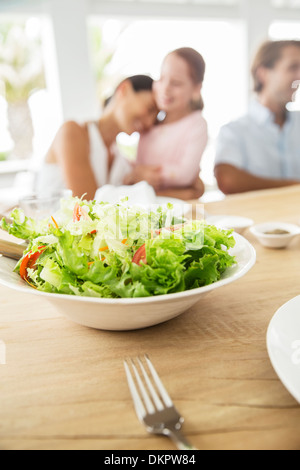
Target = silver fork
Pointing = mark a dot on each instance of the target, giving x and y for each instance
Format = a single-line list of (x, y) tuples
[(157, 413)]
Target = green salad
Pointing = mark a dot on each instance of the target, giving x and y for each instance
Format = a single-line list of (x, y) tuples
[(118, 251)]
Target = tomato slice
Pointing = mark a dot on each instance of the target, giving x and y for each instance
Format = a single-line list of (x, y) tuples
[(140, 255), (29, 261), (79, 213), (173, 228)]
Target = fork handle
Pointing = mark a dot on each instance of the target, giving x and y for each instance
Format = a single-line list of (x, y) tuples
[(179, 439), (11, 249)]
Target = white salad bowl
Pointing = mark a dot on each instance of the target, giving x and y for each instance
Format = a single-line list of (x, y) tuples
[(131, 314)]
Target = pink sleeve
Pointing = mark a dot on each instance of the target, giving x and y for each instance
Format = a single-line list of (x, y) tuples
[(185, 172)]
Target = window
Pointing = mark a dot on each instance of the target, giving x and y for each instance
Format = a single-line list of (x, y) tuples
[(28, 116), (21, 77)]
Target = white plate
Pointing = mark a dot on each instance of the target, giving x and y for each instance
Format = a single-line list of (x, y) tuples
[(165, 200), (141, 194), (283, 343), (181, 208), (228, 222), (131, 314)]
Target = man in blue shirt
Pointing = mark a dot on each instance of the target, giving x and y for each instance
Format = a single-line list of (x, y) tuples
[(262, 149)]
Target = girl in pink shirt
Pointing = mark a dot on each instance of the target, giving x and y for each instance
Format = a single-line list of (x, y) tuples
[(169, 154)]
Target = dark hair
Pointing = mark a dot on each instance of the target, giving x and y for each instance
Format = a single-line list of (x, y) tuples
[(138, 82), (267, 56), (197, 68)]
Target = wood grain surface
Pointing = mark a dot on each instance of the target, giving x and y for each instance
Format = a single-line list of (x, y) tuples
[(63, 386)]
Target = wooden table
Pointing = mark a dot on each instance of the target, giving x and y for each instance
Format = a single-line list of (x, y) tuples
[(64, 387)]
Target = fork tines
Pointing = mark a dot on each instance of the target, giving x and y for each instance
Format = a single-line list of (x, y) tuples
[(152, 395), (152, 402)]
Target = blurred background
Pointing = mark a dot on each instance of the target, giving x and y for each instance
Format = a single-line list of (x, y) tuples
[(59, 59)]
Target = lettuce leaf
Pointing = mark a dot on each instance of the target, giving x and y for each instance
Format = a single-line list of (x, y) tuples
[(23, 227)]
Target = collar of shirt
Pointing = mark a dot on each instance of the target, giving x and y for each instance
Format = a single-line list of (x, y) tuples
[(263, 115)]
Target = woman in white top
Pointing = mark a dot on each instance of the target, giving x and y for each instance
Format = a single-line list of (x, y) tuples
[(83, 158)]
